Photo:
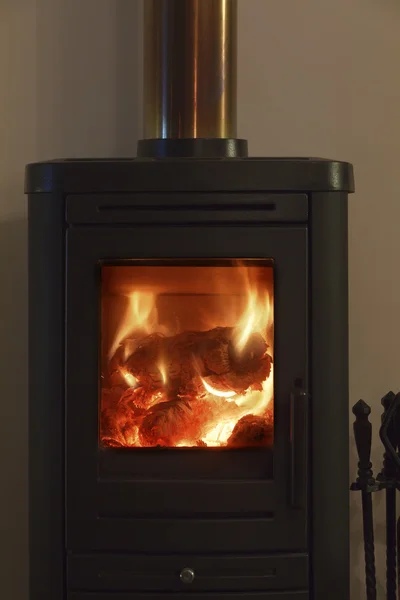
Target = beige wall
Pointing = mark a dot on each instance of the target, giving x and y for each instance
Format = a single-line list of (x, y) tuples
[(315, 77), (68, 87)]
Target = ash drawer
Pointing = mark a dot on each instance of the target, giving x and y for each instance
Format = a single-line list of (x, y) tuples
[(123, 573), (300, 595)]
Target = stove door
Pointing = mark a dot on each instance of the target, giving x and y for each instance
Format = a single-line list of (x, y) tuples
[(186, 389)]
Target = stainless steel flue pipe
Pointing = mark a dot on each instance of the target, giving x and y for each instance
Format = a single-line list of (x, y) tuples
[(190, 64)]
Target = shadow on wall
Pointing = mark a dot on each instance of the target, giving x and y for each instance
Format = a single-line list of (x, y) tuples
[(13, 422)]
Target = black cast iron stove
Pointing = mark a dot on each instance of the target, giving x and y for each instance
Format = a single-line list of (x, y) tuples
[(188, 351)]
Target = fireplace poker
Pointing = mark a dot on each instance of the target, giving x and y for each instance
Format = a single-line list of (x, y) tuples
[(366, 484), (397, 434), (387, 480)]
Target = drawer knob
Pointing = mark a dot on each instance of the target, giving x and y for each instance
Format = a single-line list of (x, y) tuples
[(187, 575)]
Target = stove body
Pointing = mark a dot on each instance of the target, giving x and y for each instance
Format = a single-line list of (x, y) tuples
[(114, 518)]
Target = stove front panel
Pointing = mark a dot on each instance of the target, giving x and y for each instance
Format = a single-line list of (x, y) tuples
[(142, 481)]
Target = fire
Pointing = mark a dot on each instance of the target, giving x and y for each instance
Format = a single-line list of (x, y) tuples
[(258, 316), (137, 317), (163, 371), (215, 392), (220, 434), (199, 370), (129, 378), (255, 402)]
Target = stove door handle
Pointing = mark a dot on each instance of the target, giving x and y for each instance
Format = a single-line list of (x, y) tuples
[(298, 448)]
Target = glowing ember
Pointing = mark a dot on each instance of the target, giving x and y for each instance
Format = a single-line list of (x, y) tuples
[(220, 434), (199, 369), (214, 392)]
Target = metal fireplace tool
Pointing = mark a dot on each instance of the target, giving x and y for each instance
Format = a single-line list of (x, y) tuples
[(389, 480)]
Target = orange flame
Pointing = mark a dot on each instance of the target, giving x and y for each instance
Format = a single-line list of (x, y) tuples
[(138, 315), (129, 378), (163, 370), (258, 315)]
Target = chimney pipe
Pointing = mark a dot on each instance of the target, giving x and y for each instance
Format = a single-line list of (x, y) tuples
[(190, 65)]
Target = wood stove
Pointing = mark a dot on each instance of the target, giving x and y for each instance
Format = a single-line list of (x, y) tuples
[(188, 360)]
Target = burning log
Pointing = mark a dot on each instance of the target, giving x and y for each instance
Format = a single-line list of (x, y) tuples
[(177, 363), (251, 431), (120, 417), (183, 421), (185, 385), (167, 423)]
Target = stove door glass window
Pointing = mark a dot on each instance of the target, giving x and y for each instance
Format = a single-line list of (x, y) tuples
[(187, 353)]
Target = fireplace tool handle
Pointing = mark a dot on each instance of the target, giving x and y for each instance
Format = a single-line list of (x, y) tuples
[(366, 484), (387, 479), (397, 434), (398, 556), (298, 447)]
